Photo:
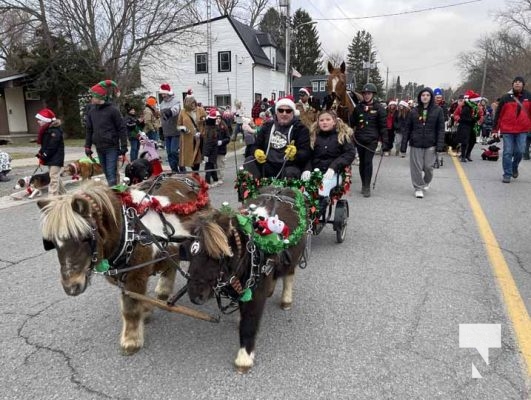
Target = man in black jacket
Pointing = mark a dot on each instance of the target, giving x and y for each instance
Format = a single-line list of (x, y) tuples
[(282, 146), (369, 121), (106, 130), (425, 135)]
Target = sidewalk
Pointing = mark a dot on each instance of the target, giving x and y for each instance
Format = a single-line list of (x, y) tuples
[(71, 154)]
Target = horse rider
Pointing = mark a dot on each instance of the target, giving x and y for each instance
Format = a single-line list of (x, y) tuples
[(307, 109), (283, 146), (369, 122)]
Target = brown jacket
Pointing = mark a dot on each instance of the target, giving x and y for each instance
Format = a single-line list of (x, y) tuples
[(190, 145)]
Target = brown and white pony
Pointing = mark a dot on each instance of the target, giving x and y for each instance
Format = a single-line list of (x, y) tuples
[(338, 99), (97, 223), (225, 261)]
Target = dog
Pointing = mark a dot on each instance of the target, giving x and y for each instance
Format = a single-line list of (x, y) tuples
[(491, 153), (33, 184), (85, 168), (138, 171)]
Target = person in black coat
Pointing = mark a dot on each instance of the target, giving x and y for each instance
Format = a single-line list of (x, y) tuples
[(332, 149), (224, 135), (469, 116), (52, 150), (369, 120), (425, 136), (210, 147)]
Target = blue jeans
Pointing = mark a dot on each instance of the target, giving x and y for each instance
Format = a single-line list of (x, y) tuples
[(172, 149), (135, 145), (153, 135), (109, 164), (513, 148)]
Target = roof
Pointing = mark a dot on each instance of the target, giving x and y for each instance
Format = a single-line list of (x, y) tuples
[(306, 80), (6, 76)]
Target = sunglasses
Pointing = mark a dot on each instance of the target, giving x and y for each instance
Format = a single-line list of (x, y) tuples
[(284, 110)]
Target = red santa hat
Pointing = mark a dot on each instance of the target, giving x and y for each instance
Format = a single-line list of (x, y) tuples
[(472, 96), (285, 101), (213, 114), (45, 115), (105, 89), (165, 88), (304, 91), (403, 104)]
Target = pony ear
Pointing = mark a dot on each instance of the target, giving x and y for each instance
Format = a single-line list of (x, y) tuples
[(43, 203), (330, 67), (81, 206), (342, 67)]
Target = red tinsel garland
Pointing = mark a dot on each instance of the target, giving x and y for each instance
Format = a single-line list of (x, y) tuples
[(179, 208)]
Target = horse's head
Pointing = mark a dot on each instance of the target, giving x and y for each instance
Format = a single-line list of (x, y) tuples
[(73, 225), (210, 254), (336, 85)]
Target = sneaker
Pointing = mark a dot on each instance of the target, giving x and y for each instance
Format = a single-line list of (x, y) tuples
[(220, 182), (419, 194), (366, 191), (427, 187), (4, 178), (515, 174), (214, 184), (506, 179)]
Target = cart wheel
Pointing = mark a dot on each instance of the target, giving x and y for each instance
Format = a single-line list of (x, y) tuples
[(340, 220)]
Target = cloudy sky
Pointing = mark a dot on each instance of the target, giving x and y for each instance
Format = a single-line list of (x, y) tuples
[(420, 47)]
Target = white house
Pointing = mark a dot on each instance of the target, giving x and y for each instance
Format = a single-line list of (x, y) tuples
[(234, 62)]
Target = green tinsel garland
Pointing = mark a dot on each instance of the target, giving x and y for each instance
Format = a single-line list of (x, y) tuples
[(475, 115)]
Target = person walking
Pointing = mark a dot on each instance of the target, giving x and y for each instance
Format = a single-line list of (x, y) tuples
[(152, 119), (469, 117), (190, 123), (425, 136), (210, 147), (170, 108), (106, 129), (134, 126), (512, 121), (400, 124), (369, 120), (52, 150), (224, 136)]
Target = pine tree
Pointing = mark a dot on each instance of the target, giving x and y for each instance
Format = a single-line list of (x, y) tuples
[(305, 46), (358, 54), (274, 24)]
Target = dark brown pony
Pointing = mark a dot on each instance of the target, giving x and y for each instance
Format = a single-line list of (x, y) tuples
[(338, 99), (226, 261), (97, 223)]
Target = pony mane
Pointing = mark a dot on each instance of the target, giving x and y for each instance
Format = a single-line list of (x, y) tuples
[(59, 220), (215, 240)]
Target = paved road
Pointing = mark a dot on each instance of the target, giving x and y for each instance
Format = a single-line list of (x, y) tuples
[(376, 317)]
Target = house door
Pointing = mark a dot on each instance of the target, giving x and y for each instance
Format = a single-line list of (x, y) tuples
[(16, 110)]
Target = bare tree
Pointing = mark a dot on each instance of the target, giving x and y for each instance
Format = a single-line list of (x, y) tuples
[(517, 16), (256, 9), (226, 7), (335, 57)]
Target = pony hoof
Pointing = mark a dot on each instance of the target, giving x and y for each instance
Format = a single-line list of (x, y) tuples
[(130, 350), (163, 296), (285, 306), (244, 362), (243, 370)]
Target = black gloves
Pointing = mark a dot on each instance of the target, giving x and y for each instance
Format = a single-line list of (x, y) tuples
[(167, 113), (88, 151), (122, 151)]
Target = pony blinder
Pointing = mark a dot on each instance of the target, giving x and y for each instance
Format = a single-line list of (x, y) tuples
[(48, 244)]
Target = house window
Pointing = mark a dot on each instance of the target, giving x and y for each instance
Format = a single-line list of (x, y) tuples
[(222, 100), (201, 65), (273, 96), (224, 61), (315, 87), (281, 94), (322, 86)]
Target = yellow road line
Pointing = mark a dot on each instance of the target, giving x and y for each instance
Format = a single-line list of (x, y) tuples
[(513, 300)]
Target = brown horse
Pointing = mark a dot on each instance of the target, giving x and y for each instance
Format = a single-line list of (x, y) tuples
[(228, 260), (338, 98), (97, 228)]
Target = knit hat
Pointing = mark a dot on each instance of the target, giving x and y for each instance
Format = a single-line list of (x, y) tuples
[(285, 101), (151, 101), (472, 96), (393, 103), (403, 104), (304, 91), (165, 88), (519, 79), (437, 92), (213, 114), (105, 89), (45, 115)]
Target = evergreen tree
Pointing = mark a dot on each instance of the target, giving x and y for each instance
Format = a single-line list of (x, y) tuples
[(305, 46), (398, 88), (274, 24), (358, 56)]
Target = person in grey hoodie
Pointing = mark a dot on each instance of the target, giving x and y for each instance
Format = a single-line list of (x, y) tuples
[(425, 135), (170, 108)]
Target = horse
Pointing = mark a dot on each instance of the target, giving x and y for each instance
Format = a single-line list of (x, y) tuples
[(127, 235), (338, 99), (230, 259)]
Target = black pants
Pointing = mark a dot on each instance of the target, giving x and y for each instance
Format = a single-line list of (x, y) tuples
[(211, 172), (467, 144), (270, 170), (366, 154)]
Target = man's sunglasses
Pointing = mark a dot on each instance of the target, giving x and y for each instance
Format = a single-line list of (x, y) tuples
[(284, 110)]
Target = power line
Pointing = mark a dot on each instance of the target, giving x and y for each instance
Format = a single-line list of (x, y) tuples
[(400, 13)]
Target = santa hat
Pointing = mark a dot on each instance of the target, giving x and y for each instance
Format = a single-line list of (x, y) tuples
[(393, 103), (304, 91), (472, 96), (213, 114), (45, 115), (403, 104), (105, 89), (165, 88), (437, 92), (285, 101)]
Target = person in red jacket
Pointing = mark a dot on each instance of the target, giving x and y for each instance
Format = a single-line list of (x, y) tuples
[(513, 121)]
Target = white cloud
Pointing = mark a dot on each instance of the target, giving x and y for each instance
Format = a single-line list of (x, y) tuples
[(421, 47)]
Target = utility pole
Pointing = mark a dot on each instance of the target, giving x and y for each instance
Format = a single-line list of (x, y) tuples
[(387, 83), (369, 64), (484, 70), (282, 4)]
